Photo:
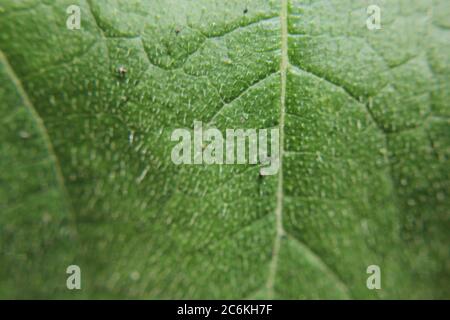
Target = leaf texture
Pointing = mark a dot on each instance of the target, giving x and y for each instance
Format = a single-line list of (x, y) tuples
[(85, 170)]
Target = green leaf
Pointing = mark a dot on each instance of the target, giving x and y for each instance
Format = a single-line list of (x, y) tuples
[(86, 175)]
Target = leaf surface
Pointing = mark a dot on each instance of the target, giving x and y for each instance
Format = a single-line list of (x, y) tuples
[(87, 177)]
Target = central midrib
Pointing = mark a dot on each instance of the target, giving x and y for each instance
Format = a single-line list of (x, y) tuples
[(279, 195)]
